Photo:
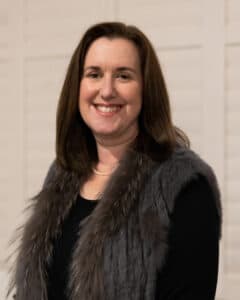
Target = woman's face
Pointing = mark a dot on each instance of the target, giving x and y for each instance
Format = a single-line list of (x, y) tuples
[(111, 89)]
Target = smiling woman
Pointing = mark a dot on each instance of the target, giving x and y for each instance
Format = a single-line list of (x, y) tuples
[(127, 211), (111, 90)]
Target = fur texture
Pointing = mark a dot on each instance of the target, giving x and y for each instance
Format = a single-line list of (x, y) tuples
[(123, 242)]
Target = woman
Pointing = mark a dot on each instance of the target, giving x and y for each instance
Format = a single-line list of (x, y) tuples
[(127, 210)]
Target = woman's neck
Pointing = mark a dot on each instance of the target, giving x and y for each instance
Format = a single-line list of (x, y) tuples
[(111, 152)]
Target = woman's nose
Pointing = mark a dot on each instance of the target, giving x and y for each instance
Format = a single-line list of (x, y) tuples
[(107, 90)]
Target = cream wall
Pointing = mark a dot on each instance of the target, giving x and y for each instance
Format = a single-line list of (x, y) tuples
[(198, 44)]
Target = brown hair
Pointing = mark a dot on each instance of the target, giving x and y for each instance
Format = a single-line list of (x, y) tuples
[(75, 144)]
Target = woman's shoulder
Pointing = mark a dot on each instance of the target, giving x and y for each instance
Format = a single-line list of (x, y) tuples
[(182, 166), (186, 162), (57, 177), (183, 171)]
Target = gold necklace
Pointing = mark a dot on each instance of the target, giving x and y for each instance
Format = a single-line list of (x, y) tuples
[(105, 173), (95, 171)]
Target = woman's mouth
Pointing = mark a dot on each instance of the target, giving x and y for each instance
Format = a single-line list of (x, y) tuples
[(107, 109)]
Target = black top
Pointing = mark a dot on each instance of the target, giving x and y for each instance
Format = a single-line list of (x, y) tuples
[(191, 266), (63, 247)]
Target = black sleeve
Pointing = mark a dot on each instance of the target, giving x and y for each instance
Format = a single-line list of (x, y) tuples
[(191, 267)]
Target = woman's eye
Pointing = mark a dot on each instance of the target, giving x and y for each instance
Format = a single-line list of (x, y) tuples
[(93, 75), (123, 76)]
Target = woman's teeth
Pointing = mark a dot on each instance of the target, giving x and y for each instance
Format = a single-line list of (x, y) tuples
[(106, 109)]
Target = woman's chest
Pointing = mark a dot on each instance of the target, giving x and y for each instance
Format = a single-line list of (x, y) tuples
[(93, 187)]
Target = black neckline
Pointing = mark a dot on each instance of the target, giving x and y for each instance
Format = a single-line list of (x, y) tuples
[(95, 201)]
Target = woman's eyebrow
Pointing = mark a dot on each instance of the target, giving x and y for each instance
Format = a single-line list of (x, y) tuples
[(126, 69), (96, 68), (123, 68)]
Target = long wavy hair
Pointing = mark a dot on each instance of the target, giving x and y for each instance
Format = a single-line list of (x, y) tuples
[(75, 144)]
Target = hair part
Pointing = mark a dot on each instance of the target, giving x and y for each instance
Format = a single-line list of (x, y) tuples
[(75, 143)]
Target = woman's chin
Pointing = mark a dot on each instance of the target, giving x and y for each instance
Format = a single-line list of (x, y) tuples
[(108, 134)]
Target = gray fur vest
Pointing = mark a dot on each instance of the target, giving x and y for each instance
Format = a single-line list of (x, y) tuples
[(122, 243)]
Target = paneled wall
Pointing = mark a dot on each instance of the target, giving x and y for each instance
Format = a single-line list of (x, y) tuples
[(232, 147), (198, 45)]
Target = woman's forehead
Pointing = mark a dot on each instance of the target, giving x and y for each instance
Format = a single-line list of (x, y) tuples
[(119, 52)]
